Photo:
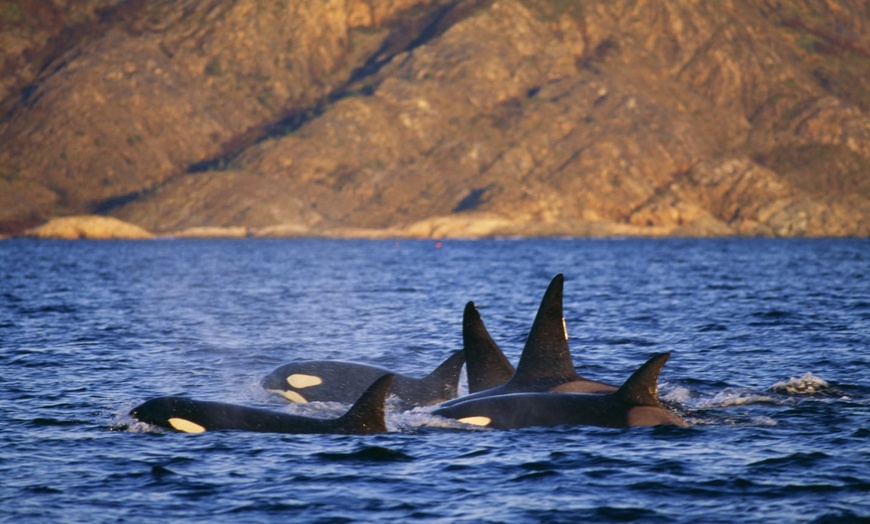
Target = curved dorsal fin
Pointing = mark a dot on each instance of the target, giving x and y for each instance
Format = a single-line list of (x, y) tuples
[(444, 380), (641, 388), (366, 416), (486, 365), (546, 352)]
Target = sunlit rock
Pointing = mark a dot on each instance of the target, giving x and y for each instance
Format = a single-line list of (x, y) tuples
[(88, 227), (436, 117)]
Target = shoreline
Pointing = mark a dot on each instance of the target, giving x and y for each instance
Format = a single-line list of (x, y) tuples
[(455, 227)]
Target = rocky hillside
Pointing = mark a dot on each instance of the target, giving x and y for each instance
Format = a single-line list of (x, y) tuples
[(439, 117)]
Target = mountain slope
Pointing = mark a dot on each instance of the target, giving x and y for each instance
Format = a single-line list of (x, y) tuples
[(447, 118)]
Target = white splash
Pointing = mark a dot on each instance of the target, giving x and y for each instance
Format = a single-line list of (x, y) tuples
[(131, 425), (679, 394), (808, 384), (763, 421)]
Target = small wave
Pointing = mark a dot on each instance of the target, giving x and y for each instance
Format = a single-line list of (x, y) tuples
[(42, 489), (808, 384), (838, 515), (624, 514), (798, 460), (629, 341), (763, 421), (45, 421), (369, 454), (772, 314), (534, 475)]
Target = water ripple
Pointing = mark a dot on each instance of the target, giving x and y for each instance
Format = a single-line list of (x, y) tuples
[(769, 341)]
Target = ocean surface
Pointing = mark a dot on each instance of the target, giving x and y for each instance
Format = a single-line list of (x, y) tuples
[(770, 343)]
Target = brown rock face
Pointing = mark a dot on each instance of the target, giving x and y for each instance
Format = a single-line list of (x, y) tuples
[(439, 118), (34, 33)]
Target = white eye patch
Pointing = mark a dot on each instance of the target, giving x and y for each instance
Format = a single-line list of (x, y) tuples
[(185, 426), (300, 381), (476, 421)]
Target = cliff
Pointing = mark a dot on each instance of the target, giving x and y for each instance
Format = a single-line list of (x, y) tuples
[(442, 117)]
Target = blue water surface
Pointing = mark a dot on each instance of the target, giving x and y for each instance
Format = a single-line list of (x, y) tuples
[(770, 343)]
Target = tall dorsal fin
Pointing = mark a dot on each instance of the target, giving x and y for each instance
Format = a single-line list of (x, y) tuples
[(546, 352), (444, 380), (641, 388), (366, 416), (486, 365)]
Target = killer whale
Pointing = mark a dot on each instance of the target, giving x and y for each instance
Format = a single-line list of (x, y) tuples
[(485, 364), (340, 381), (365, 417), (545, 363), (635, 403)]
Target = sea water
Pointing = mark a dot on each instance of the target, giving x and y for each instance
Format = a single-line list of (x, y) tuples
[(770, 343)]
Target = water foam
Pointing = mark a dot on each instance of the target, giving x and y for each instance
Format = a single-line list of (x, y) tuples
[(421, 417), (679, 395), (732, 397), (808, 384)]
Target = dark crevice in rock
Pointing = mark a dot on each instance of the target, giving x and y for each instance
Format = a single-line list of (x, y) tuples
[(471, 201), (107, 205), (297, 119), (411, 30), (29, 95), (235, 147), (600, 54)]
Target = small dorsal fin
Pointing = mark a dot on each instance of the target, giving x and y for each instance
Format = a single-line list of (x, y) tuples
[(366, 416), (546, 352), (641, 388), (444, 380), (486, 365)]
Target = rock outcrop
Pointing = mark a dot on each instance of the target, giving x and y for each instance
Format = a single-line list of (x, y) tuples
[(88, 227), (445, 118)]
